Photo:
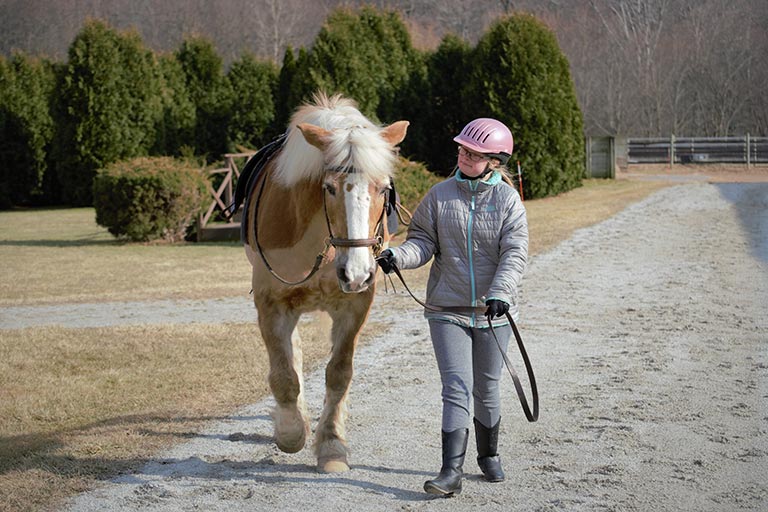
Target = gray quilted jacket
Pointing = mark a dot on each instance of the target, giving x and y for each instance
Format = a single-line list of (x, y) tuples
[(477, 232)]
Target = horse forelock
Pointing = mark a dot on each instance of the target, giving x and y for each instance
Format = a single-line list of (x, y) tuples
[(355, 144)]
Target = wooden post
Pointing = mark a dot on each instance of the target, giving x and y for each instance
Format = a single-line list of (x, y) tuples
[(671, 150), (230, 174), (612, 157)]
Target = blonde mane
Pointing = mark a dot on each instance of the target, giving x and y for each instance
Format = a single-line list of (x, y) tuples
[(355, 143)]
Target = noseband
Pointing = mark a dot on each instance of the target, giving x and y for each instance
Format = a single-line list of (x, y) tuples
[(331, 241)]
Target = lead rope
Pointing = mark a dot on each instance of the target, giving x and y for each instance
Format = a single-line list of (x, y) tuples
[(532, 416)]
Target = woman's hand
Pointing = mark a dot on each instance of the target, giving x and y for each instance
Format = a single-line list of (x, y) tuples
[(496, 308), (386, 261)]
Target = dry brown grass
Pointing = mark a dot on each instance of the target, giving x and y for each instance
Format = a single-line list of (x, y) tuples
[(52, 256), (81, 405)]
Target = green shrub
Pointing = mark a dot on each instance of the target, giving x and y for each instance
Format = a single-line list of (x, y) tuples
[(412, 181), (147, 199)]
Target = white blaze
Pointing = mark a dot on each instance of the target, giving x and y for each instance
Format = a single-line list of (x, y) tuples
[(358, 204)]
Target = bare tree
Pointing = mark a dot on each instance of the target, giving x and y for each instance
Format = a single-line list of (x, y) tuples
[(641, 67), (723, 50), (279, 23)]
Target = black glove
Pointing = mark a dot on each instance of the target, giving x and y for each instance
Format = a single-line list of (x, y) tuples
[(386, 261), (496, 308)]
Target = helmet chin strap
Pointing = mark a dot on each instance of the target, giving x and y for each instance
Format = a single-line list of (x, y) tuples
[(480, 176)]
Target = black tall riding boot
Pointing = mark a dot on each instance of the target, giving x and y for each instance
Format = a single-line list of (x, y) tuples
[(448, 482), (487, 451)]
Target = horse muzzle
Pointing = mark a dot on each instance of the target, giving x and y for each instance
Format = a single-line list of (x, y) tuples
[(353, 280)]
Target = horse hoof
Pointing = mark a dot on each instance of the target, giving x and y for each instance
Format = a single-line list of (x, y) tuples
[(291, 442), (290, 430), (290, 447), (333, 466)]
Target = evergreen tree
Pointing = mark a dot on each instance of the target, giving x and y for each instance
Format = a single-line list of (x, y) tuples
[(176, 127), (109, 106), (522, 78), (283, 102), (451, 101), (253, 112), (367, 56), (210, 93), (26, 127)]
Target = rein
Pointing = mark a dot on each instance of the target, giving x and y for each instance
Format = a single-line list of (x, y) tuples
[(531, 415), (331, 241)]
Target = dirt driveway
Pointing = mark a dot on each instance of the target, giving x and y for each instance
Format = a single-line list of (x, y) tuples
[(648, 333)]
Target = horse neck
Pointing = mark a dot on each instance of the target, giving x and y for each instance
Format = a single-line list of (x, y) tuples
[(291, 217)]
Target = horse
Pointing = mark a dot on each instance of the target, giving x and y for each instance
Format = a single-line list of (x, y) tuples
[(314, 222)]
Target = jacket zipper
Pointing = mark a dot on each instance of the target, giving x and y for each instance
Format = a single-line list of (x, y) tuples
[(470, 254)]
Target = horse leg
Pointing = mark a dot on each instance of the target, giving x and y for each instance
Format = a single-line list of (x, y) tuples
[(330, 443), (278, 328)]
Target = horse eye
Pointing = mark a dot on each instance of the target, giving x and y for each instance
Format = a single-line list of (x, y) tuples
[(331, 188)]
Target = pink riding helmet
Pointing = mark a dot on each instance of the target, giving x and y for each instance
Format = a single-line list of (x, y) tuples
[(488, 137)]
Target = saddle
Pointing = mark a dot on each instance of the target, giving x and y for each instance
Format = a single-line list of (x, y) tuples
[(248, 179)]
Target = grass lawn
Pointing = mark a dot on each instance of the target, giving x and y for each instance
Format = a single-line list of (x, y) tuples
[(80, 405)]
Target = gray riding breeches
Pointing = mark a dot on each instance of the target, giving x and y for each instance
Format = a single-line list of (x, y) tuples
[(470, 367)]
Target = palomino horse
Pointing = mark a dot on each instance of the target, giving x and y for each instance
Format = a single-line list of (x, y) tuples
[(314, 221)]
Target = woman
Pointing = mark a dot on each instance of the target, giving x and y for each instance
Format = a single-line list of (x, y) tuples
[(474, 225)]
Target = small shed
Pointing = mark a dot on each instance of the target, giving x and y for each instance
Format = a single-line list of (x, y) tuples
[(604, 155)]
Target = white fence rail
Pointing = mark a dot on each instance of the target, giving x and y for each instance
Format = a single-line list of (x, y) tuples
[(744, 150)]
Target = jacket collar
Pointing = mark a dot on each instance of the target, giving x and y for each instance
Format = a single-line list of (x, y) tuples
[(477, 185)]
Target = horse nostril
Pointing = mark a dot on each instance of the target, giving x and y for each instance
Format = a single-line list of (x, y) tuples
[(341, 273)]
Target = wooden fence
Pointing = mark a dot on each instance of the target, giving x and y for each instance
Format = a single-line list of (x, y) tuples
[(222, 197), (746, 150)]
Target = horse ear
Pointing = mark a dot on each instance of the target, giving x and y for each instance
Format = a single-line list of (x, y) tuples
[(315, 135), (395, 133)]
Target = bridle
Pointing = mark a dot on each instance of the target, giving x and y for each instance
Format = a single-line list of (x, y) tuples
[(331, 241), (531, 415), (376, 242)]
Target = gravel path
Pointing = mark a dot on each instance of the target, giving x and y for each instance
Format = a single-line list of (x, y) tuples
[(106, 314), (648, 336)]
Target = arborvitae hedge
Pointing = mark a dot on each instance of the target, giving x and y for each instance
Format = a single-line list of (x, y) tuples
[(211, 94), (26, 128), (450, 99), (522, 78), (253, 85), (113, 100), (176, 126), (366, 55), (110, 104)]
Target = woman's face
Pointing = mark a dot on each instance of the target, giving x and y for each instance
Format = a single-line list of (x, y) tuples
[(470, 163)]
